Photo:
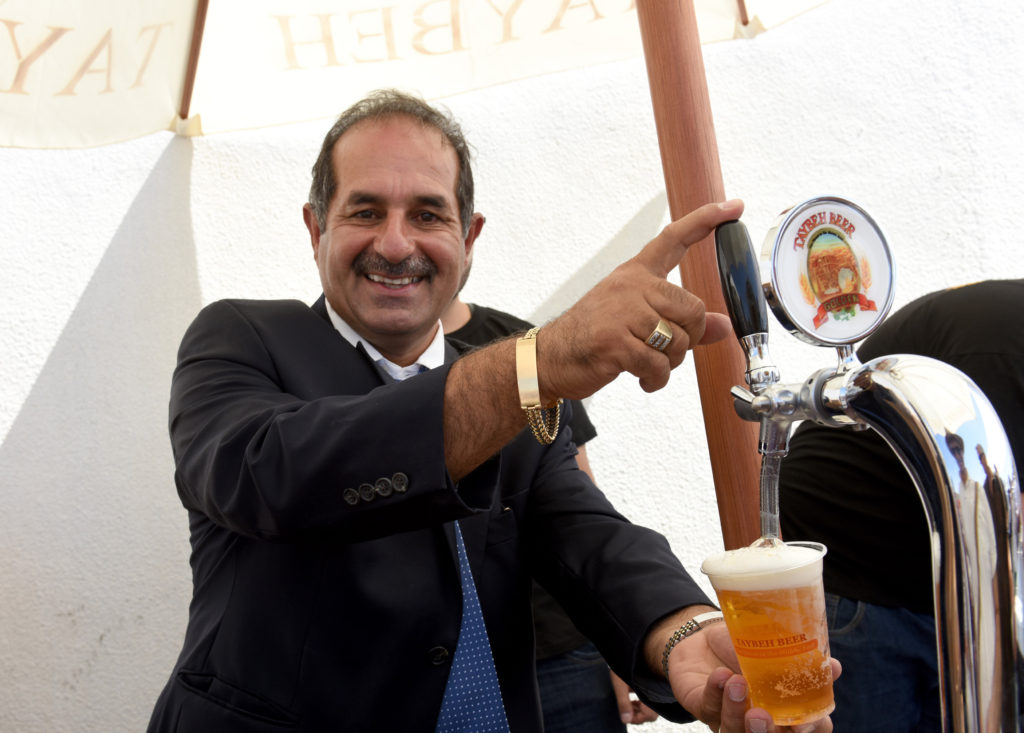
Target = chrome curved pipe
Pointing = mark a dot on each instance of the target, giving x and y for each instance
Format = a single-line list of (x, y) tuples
[(950, 439)]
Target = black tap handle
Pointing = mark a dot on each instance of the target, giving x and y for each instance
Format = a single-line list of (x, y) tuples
[(741, 281)]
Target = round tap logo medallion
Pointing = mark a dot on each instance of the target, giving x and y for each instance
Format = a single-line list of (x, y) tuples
[(831, 271)]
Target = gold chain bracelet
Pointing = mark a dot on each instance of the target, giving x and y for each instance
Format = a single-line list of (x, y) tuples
[(543, 421)]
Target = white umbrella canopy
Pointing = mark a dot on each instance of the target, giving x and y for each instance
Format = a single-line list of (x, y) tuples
[(80, 74)]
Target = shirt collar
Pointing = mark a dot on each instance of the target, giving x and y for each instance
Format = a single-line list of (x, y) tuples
[(433, 355)]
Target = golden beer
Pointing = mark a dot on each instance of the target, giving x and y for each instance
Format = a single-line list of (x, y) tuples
[(774, 607)]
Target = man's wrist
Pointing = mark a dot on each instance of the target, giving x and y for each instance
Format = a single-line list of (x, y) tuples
[(661, 633), (543, 419), (685, 630)]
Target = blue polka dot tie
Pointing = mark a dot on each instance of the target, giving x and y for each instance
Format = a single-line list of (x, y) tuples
[(472, 700)]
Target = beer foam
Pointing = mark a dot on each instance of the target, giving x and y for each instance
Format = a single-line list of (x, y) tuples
[(764, 568)]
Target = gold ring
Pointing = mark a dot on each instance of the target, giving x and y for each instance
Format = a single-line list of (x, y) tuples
[(661, 336)]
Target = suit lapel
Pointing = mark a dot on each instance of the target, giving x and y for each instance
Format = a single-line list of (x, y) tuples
[(474, 528), (474, 535), (344, 350)]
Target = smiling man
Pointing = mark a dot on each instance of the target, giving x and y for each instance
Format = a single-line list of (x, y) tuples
[(368, 508), (391, 245)]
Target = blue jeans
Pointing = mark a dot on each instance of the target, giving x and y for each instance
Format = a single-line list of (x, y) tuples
[(576, 693), (890, 677)]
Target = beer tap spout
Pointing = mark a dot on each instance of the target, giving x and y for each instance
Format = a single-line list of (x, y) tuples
[(740, 279)]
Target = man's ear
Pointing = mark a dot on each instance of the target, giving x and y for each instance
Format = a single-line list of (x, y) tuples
[(475, 225), (313, 226)]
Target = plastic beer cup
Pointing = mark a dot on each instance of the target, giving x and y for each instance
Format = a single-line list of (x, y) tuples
[(774, 606)]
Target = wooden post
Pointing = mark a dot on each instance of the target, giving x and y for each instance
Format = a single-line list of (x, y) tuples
[(198, 24), (693, 177)]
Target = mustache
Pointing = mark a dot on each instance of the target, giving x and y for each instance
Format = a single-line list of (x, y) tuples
[(412, 266)]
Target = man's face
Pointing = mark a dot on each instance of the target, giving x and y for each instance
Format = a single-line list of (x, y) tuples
[(391, 254)]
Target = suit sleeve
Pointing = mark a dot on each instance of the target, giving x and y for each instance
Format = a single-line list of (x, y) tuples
[(267, 445), (615, 579)]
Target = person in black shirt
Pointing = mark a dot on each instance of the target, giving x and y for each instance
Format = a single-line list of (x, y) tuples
[(877, 574)]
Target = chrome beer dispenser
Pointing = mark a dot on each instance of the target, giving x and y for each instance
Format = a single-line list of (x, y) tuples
[(831, 284)]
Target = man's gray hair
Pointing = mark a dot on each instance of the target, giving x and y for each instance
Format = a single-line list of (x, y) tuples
[(381, 105)]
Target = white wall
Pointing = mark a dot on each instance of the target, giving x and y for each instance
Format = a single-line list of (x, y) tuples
[(910, 109)]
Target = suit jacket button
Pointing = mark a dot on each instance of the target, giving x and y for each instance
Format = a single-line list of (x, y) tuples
[(351, 496), (400, 481), (438, 656), (366, 492), (383, 486)]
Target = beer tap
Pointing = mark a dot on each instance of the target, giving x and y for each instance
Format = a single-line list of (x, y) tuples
[(830, 283), (741, 287)]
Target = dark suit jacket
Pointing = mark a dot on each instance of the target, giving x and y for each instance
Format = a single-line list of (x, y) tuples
[(325, 585)]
